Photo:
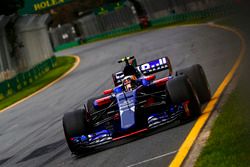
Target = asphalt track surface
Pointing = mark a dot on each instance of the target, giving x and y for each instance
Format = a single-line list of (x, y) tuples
[(31, 133)]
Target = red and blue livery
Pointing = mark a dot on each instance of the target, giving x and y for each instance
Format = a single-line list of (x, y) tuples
[(138, 102)]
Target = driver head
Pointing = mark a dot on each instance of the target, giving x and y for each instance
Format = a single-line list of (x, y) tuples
[(129, 83)]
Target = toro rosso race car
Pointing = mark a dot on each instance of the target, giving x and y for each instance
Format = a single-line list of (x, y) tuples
[(138, 102)]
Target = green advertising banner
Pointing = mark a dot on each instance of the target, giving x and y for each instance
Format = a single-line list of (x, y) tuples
[(35, 6)]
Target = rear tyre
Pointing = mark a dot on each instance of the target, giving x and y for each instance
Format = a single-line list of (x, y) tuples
[(74, 125), (198, 78), (180, 89)]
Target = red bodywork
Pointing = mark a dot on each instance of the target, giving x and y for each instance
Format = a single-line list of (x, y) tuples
[(106, 100), (103, 101)]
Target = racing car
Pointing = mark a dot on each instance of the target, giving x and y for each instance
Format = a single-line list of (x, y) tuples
[(138, 102)]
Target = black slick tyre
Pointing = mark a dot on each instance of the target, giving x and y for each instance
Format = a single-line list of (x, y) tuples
[(180, 89), (74, 125), (198, 78)]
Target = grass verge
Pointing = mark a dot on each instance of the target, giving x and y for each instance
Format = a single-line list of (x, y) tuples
[(229, 141), (228, 144), (63, 64)]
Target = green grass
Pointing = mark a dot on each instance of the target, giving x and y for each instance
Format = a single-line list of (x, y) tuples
[(63, 64), (229, 142)]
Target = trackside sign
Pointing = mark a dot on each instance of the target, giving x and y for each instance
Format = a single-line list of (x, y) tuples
[(35, 6)]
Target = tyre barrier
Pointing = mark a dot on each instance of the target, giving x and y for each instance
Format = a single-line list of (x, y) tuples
[(22, 80)]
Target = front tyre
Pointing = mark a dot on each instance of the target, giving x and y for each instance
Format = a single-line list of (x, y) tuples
[(74, 125), (180, 90), (198, 78)]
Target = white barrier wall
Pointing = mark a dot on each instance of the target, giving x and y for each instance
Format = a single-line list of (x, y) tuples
[(6, 66), (34, 41)]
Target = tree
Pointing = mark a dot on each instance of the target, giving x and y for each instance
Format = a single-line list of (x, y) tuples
[(9, 7), (71, 11)]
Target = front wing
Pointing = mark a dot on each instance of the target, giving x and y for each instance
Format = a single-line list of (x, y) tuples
[(105, 136)]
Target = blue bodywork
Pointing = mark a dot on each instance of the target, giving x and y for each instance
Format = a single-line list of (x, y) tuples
[(126, 102)]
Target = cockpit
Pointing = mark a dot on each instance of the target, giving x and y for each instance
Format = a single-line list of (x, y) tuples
[(129, 83)]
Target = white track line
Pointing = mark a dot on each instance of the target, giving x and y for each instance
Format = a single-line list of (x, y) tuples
[(154, 158)]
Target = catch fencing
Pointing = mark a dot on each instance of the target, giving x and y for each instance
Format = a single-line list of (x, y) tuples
[(104, 23), (120, 18), (89, 25), (119, 21), (189, 16), (63, 34), (162, 8), (97, 25)]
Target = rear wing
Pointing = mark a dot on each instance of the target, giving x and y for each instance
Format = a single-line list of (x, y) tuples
[(149, 68)]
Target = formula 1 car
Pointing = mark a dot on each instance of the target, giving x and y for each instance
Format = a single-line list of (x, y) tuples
[(137, 103)]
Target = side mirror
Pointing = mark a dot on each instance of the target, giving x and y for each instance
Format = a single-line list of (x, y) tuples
[(108, 92)]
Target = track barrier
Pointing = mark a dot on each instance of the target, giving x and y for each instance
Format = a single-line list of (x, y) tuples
[(24, 79), (190, 16), (163, 21), (116, 32)]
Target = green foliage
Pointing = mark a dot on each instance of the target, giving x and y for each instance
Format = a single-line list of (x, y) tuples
[(9, 7)]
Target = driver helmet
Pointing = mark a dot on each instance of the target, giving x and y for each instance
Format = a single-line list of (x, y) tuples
[(129, 83)]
